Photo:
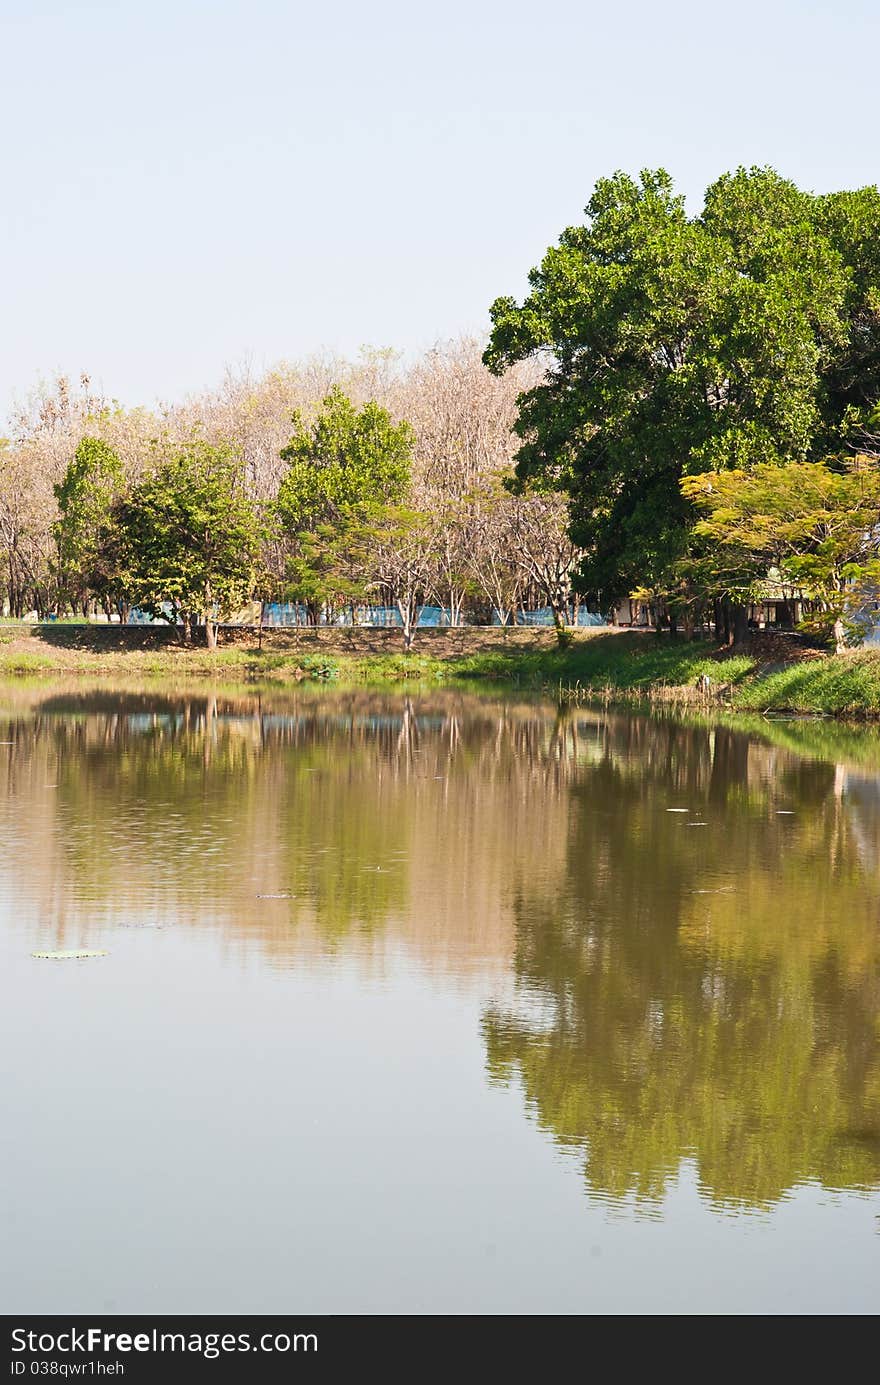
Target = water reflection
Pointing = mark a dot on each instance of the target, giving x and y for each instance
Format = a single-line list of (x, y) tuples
[(707, 991), (679, 922)]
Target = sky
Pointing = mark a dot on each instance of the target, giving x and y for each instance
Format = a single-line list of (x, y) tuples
[(194, 184)]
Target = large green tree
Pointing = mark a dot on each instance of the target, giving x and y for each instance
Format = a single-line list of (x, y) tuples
[(677, 344), (189, 538), (345, 468)]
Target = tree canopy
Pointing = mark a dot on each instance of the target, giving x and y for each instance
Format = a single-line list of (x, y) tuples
[(189, 537), (344, 469), (677, 344), (92, 482), (814, 527)]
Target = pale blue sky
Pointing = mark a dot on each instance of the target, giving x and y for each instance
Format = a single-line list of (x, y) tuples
[(186, 184)]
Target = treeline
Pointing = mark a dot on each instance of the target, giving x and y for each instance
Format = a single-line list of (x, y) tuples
[(711, 398), (330, 484), (685, 409)]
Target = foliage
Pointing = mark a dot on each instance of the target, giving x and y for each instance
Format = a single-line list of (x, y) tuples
[(320, 544), (680, 345), (343, 470), (91, 484), (815, 525), (346, 457), (189, 536)]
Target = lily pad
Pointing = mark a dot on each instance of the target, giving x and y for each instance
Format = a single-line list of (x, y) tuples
[(70, 952)]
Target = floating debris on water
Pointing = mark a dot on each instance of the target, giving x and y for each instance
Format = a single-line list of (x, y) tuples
[(276, 896), (678, 810)]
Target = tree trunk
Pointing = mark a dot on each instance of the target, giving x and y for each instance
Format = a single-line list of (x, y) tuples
[(408, 620), (210, 632), (740, 627)]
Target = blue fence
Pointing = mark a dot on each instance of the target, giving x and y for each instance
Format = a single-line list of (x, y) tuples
[(292, 613), (544, 616), (289, 613), (139, 617)]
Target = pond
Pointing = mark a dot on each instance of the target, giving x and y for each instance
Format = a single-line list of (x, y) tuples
[(435, 1004)]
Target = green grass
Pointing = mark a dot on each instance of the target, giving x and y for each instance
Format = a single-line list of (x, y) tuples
[(843, 685), (626, 667), (611, 667), (16, 663), (621, 663)]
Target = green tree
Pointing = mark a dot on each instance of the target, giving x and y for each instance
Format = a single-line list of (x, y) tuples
[(190, 537), (679, 345), (91, 484), (344, 469), (815, 525)]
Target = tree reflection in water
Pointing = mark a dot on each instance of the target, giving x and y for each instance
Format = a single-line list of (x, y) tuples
[(692, 985), (704, 992)]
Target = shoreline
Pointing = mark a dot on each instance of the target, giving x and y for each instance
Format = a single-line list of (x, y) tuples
[(610, 667)]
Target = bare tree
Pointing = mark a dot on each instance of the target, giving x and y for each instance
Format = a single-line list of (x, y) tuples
[(473, 543), (543, 549), (404, 566), (491, 556)]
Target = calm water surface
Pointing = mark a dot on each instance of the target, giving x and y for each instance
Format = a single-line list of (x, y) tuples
[(435, 1004)]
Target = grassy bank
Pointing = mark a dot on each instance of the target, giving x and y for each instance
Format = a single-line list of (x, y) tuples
[(27, 653), (631, 668), (607, 666)]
